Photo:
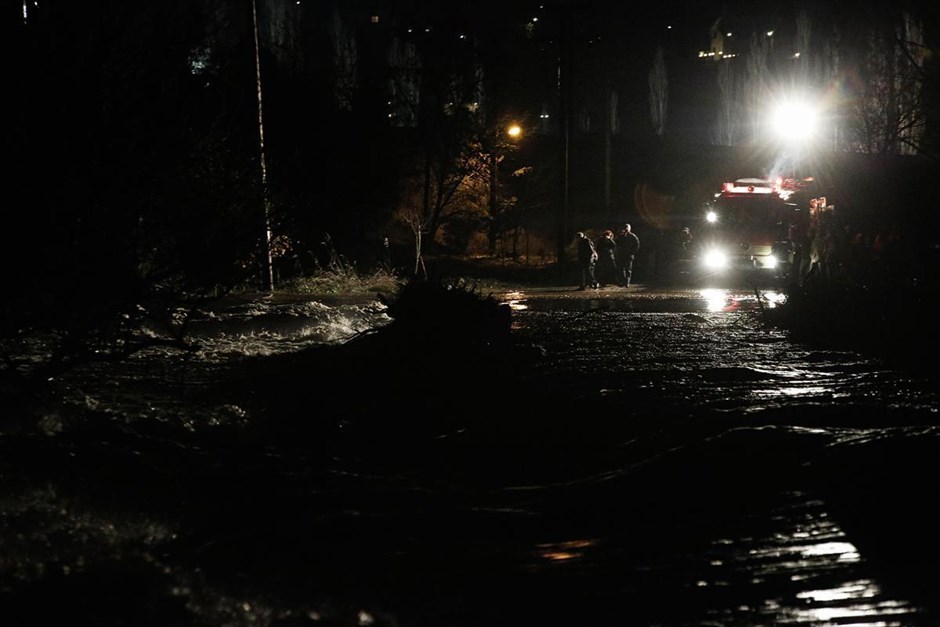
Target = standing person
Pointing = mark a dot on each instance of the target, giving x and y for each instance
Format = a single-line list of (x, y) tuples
[(628, 244), (386, 255), (607, 272), (685, 242), (801, 257), (587, 257), (818, 255)]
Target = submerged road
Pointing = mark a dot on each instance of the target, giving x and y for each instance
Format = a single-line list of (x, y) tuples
[(662, 456), (774, 482)]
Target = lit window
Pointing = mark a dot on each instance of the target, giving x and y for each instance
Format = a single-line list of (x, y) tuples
[(375, 18)]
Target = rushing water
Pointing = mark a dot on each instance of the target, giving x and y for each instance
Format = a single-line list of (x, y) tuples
[(660, 458)]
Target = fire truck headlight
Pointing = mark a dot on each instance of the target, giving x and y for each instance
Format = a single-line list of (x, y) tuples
[(715, 260)]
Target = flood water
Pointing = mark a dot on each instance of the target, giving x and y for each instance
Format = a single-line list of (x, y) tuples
[(657, 458)]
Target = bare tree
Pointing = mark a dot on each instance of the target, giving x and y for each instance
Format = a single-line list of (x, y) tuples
[(659, 92), (531, 202), (440, 94), (830, 65), (410, 214), (610, 128), (404, 83), (725, 131), (284, 21), (345, 61), (755, 92), (889, 115), (804, 32), (440, 191), (413, 220), (912, 52)]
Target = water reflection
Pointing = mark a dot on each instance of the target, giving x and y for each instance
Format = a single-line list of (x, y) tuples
[(717, 300), (863, 589), (843, 551), (806, 547), (731, 300), (515, 300), (794, 391), (713, 300), (856, 615), (655, 371), (564, 551)]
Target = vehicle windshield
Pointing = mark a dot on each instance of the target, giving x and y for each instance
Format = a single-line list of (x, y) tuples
[(764, 211)]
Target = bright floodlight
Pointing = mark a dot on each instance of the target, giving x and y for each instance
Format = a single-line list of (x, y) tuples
[(795, 122), (715, 259)]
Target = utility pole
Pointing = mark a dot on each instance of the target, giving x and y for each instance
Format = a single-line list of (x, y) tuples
[(564, 110), (494, 197), (609, 113), (267, 276)]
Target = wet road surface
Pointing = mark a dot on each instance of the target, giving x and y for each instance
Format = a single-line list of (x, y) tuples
[(661, 457)]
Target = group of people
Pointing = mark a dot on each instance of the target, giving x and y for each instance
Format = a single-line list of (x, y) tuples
[(609, 261), (834, 254)]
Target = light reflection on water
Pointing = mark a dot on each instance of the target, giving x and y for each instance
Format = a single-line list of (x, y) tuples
[(566, 550), (699, 355), (515, 300), (687, 300), (709, 349), (808, 390), (816, 555), (845, 616), (844, 551), (731, 300)]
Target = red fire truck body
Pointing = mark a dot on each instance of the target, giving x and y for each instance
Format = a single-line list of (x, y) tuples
[(756, 223)]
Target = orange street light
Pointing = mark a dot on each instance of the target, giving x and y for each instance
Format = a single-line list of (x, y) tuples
[(514, 132)]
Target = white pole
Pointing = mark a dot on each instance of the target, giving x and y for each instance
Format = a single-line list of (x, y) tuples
[(268, 270)]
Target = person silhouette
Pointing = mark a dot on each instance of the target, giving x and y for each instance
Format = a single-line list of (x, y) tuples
[(628, 244), (587, 258)]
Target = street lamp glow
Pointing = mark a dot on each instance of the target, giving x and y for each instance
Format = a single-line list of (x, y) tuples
[(795, 121), (514, 131)]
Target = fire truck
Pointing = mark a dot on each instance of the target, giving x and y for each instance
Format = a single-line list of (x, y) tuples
[(757, 224)]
